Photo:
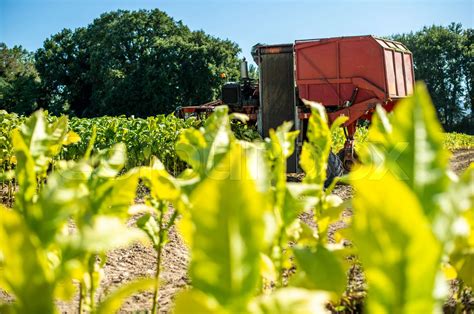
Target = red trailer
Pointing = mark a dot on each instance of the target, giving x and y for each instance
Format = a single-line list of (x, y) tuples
[(350, 75)]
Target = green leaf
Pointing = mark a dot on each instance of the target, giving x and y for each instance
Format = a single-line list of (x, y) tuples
[(25, 175), (463, 262), (114, 300), (280, 146), (314, 156), (298, 198), (457, 205), (64, 195), (111, 161), (115, 196), (203, 149), (103, 234), (409, 144), (460, 220), (194, 301), (43, 141), (148, 224), (333, 206), (71, 138), (396, 246), (292, 300), (283, 140), (163, 186), (336, 124), (24, 269), (319, 269), (267, 269), (228, 231)]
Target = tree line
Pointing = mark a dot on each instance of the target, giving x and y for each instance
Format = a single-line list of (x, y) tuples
[(145, 63), (444, 60), (134, 63)]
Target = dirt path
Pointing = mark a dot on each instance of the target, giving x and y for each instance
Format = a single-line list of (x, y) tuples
[(461, 160), (124, 265)]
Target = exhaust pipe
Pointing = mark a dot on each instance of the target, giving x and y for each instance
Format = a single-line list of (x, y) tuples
[(244, 70)]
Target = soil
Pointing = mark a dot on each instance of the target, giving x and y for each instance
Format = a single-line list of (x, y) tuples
[(461, 159), (124, 265)]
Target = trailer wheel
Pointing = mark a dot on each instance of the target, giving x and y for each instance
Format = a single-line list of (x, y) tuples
[(334, 169)]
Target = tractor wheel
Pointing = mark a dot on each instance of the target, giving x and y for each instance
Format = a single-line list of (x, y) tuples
[(334, 169), (340, 154)]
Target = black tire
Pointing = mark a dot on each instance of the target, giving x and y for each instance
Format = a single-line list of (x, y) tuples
[(340, 154), (334, 169)]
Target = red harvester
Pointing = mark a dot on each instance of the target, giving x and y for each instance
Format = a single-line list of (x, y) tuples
[(348, 75)]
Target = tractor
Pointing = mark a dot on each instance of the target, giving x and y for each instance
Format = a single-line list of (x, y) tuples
[(348, 75)]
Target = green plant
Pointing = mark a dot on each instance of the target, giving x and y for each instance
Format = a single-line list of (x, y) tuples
[(455, 140), (43, 254), (408, 209), (237, 220)]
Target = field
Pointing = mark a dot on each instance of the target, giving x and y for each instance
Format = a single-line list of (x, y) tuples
[(89, 219), (125, 265)]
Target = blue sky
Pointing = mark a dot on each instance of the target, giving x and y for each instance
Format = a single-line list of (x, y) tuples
[(30, 22)]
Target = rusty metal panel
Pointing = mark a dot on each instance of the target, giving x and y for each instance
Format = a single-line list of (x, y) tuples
[(390, 71), (328, 70), (408, 69), (277, 92), (399, 74)]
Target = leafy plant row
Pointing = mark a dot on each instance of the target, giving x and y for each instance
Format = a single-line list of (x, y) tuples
[(412, 228), (455, 140), (451, 141), (154, 136), (143, 138)]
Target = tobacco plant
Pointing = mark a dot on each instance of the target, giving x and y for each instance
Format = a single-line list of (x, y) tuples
[(412, 214), (57, 229), (240, 217)]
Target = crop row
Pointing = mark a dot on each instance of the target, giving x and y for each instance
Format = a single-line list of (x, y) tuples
[(154, 136)]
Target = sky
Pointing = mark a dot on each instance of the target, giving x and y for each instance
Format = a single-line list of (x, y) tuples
[(29, 22)]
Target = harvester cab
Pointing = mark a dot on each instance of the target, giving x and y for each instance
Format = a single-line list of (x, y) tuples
[(242, 93)]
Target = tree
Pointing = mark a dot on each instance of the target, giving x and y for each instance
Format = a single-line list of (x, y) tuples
[(140, 63), (254, 72), (443, 59), (19, 81)]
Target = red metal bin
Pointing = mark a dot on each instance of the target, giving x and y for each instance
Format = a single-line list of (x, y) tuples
[(350, 75), (329, 70)]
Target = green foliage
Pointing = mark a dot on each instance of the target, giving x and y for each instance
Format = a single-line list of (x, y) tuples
[(403, 183), (291, 300), (451, 141), (227, 267), (19, 80), (135, 63), (113, 302), (144, 138), (24, 269), (242, 196), (411, 143), (243, 131), (202, 149), (320, 269), (401, 280), (443, 60), (316, 150), (455, 140), (41, 257)]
